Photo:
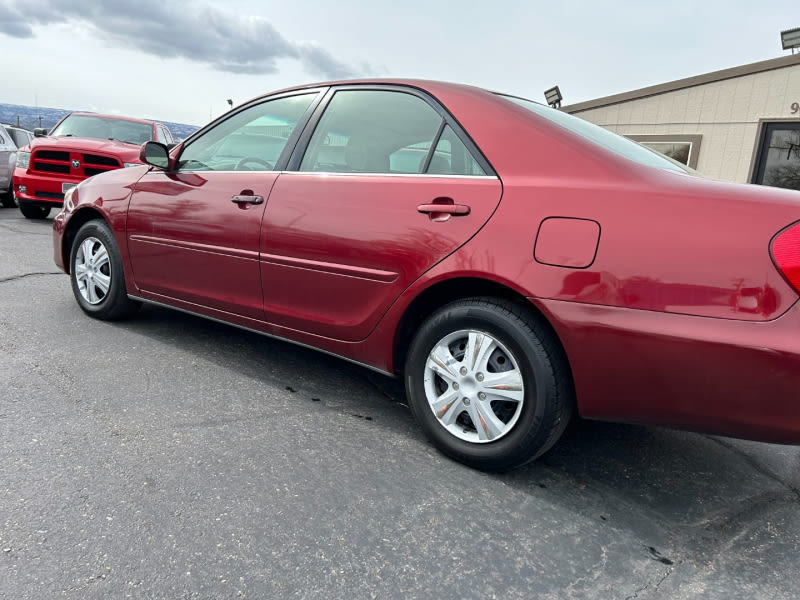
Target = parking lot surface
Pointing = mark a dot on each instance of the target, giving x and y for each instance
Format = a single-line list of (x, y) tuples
[(173, 457)]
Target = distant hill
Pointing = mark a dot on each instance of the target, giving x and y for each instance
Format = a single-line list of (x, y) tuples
[(31, 117)]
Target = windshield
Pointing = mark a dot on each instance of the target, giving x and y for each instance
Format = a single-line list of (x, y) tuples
[(602, 137), (104, 128)]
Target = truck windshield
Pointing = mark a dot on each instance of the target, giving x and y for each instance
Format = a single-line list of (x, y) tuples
[(602, 137), (104, 128)]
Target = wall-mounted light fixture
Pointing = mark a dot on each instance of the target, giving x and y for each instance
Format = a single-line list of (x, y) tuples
[(553, 97), (791, 39)]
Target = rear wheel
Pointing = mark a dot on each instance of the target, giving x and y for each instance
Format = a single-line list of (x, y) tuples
[(32, 211), (488, 383), (98, 282)]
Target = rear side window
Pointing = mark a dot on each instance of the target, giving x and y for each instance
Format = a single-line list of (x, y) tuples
[(451, 157), (382, 131), (602, 137), (361, 130)]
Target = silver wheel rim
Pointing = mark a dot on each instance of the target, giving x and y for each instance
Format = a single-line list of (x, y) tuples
[(474, 386), (92, 270)]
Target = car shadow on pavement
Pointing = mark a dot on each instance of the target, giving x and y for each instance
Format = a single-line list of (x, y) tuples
[(684, 489)]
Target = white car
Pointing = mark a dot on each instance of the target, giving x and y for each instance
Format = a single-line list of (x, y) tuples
[(11, 139)]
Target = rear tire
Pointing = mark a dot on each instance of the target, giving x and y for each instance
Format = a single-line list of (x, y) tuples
[(96, 274), (488, 383), (32, 211)]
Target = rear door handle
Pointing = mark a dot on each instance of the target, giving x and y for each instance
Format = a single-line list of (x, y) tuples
[(244, 199), (441, 209), (450, 209)]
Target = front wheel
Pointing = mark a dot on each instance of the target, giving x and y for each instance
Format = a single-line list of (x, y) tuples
[(32, 211), (98, 282), (7, 199), (488, 383)]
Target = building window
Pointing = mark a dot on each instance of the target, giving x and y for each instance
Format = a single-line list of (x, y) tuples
[(777, 160), (679, 147)]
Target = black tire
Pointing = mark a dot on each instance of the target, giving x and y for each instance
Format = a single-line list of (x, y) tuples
[(7, 199), (96, 274), (524, 348), (32, 211)]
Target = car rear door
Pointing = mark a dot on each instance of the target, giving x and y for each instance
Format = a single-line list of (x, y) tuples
[(386, 187)]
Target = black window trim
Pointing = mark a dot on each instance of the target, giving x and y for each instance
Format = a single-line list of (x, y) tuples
[(310, 126)]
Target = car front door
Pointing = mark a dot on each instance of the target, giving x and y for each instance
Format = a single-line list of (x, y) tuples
[(193, 233), (386, 188)]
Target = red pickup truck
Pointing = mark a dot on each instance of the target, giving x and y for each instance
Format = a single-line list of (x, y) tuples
[(79, 146)]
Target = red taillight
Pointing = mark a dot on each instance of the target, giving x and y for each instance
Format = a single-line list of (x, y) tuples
[(786, 254)]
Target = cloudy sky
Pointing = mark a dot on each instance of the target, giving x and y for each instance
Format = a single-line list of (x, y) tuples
[(180, 61)]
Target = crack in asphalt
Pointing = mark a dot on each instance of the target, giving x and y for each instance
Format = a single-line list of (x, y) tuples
[(655, 587), (34, 274)]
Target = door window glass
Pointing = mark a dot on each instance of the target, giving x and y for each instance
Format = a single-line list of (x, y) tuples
[(779, 156), (451, 157), (251, 140), (19, 137), (372, 131), (162, 136)]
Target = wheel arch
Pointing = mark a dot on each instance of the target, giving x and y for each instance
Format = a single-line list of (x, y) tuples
[(78, 220), (451, 290)]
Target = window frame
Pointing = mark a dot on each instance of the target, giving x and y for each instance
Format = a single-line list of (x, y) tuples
[(304, 140)]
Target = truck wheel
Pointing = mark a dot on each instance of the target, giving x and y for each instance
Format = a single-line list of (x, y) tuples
[(31, 211), (7, 199)]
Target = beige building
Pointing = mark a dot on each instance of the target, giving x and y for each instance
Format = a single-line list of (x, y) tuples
[(740, 124)]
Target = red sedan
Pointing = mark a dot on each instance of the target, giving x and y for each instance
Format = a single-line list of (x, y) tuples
[(513, 263)]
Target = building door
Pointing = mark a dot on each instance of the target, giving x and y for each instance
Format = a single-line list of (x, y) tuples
[(778, 156)]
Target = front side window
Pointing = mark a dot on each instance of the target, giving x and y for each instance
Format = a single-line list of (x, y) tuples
[(373, 131), (251, 140)]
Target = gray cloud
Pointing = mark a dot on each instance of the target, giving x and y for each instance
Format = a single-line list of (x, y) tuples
[(196, 31)]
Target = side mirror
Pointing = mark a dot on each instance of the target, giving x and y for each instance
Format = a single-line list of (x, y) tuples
[(39, 132), (155, 154)]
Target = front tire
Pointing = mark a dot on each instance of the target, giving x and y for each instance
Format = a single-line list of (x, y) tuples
[(96, 274), (32, 211), (7, 199), (488, 383)]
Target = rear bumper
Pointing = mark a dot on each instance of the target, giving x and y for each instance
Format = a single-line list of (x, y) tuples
[(720, 376)]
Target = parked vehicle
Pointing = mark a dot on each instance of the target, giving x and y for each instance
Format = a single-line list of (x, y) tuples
[(513, 263), (11, 139), (79, 146)]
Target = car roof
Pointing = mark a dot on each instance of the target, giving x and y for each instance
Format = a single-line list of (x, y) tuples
[(17, 127), (428, 85)]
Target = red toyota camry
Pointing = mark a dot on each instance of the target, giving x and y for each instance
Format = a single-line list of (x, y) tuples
[(514, 264)]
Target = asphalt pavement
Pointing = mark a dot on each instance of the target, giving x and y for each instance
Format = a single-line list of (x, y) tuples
[(172, 457)]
